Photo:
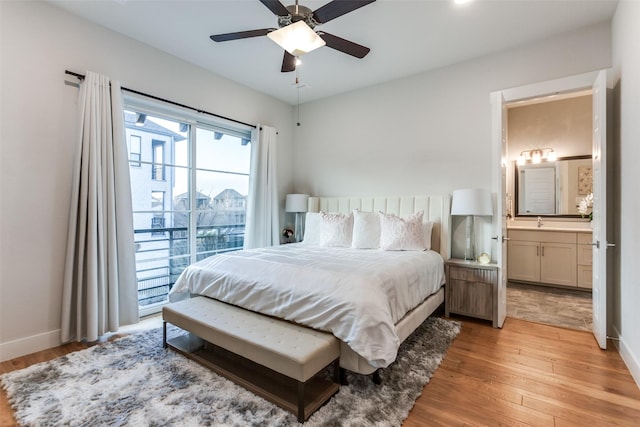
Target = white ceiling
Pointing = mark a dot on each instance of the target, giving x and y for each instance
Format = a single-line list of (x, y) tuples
[(405, 36)]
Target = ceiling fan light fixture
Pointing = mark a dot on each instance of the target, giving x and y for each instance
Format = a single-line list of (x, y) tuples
[(297, 38)]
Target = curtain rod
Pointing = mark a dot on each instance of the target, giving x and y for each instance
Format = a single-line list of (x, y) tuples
[(157, 98)]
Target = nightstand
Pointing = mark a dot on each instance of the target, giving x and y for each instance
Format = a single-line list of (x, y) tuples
[(472, 289)]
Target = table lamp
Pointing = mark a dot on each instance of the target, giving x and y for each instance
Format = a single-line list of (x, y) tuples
[(471, 203), (297, 203)]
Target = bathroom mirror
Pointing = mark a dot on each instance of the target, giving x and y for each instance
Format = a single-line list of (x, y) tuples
[(553, 188)]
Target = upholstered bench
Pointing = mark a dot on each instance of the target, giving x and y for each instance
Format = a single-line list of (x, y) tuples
[(239, 344)]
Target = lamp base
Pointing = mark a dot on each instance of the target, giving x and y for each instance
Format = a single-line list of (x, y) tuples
[(299, 229), (470, 240)]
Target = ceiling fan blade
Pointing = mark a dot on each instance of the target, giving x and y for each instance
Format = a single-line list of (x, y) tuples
[(343, 45), (276, 7), (337, 8), (288, 62), (241, 35)]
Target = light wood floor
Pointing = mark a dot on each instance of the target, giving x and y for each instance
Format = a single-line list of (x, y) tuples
[(524, 374), (527, 374)]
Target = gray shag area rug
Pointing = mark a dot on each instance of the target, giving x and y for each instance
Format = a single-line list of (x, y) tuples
[(133, 381)]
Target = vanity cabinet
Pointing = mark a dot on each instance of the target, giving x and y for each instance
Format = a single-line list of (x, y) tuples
[(549, 257), (523, 260), (585, 260)]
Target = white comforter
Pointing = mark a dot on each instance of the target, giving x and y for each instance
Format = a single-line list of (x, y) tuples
[(357, 294)]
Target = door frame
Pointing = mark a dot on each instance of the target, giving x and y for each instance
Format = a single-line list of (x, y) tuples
[(499, 99)]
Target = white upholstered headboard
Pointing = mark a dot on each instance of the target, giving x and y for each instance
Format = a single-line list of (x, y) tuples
[(436, 209)]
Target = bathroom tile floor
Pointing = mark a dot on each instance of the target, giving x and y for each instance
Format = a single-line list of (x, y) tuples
[(552, 306)]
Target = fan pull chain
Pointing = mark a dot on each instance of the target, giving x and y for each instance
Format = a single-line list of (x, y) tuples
[(298, 87)]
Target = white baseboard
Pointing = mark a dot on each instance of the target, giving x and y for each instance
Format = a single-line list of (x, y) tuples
[(629, 359), (28, 345)]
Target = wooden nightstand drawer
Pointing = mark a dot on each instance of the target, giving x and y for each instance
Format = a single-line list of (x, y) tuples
[(471, 298), (471, 274)]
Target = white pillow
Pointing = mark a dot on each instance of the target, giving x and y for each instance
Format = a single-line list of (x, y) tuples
[(336, 229), (312, 229), (366, 230), (402, 234)]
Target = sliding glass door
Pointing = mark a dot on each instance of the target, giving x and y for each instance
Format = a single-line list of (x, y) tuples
[(189, 183)]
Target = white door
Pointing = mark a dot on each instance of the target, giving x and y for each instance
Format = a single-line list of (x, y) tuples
[(599, 223), (499, 133)]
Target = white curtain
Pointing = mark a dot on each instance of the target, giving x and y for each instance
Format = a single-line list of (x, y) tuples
[(99, 290), (263, 211)]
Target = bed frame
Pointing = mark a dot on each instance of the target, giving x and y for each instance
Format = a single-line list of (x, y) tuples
[(436, 209)]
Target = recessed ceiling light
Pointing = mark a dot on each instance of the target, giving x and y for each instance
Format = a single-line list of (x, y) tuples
[(462, 1)]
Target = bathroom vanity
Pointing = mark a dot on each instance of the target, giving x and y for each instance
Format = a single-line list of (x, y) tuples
[(557, 256)]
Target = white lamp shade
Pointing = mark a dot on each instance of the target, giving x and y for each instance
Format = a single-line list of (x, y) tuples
[(297, 38), (472, 202), (296, 203)]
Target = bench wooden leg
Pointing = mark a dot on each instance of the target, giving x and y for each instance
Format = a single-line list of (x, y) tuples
[(336, 371), (164, 334), (300, 401)]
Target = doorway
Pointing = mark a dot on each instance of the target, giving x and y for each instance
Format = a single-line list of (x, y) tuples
[(597, 81), (546, 192)]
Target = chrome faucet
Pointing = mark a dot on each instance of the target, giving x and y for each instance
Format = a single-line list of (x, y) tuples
[(539, 222)]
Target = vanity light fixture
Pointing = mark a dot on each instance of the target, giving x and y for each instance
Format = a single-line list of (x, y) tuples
[(537, 155)]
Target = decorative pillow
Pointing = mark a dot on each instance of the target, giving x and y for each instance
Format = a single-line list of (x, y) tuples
[(402, 234), (366, 230), (312, 228), (336, 229)]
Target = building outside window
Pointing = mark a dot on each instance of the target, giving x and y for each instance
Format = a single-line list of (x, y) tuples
[(157, 205), (134, 150), (189, 194), (157, 153)]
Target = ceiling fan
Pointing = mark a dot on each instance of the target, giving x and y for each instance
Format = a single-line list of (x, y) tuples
[(289, 15)]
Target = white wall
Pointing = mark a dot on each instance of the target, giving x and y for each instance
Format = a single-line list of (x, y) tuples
[(626, 61), (38, 42), (564, 125), (429, 133)]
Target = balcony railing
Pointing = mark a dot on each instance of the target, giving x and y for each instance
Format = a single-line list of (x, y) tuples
[(163, 253)]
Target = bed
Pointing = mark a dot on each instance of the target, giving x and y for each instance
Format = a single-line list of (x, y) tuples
[(370, 298)]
